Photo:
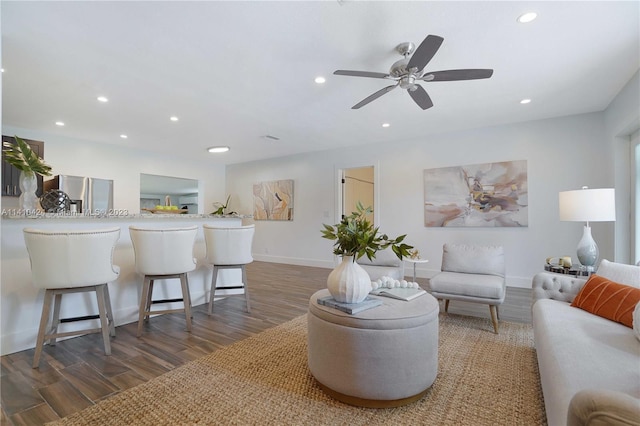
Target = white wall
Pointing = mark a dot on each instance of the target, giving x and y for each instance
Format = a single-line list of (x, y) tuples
[(123, 165), (562, 154), (622, 119)]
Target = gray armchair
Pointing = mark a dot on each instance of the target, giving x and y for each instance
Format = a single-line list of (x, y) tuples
[(386, 263), (471, 273)]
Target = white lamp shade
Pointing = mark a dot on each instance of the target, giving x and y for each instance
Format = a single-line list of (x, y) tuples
[(588, 205)]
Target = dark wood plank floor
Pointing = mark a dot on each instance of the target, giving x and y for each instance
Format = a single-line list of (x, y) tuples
[(75, 373)]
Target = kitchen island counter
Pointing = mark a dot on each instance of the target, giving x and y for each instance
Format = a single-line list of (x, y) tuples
[(21, 302)]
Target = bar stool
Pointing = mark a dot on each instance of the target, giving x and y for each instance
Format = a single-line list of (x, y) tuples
[(229, 248), (163, 254), (77, 261)]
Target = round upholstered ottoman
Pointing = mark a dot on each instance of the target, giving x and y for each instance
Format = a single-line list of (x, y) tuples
[(382, 357)]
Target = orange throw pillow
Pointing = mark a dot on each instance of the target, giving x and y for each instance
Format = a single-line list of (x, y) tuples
[(608, 299)]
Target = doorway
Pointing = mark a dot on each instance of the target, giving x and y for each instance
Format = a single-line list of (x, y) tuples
[(358, 185)]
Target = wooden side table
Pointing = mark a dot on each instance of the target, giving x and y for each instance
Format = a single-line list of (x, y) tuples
[(414, 261)]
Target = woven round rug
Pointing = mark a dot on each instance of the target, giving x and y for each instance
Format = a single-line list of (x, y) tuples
[(483, 379)]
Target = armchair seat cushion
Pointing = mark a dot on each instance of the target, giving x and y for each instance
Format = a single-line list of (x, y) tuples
[(469, 285)]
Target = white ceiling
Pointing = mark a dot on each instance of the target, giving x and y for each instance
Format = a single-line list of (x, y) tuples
[(236, 71)]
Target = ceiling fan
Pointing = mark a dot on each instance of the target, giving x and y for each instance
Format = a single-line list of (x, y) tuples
[(408, 71)]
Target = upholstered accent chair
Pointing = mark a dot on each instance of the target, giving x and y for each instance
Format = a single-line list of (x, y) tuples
[(471, 273), (386, 263)]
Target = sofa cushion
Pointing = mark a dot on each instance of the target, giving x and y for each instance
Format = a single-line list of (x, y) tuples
[(608, 299), (620, 272), (472, 259)]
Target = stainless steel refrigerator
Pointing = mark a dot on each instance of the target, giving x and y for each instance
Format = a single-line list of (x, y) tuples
[(90, 195)]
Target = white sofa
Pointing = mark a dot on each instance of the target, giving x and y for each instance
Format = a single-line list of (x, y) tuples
[(589, 366)]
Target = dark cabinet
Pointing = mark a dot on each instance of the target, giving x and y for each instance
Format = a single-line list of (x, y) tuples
[(11, 175)]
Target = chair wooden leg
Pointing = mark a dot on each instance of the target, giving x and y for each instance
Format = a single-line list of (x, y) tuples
[(446, 305), (147, 313), (246, 288), (55, 322), (107, 299), (104, 321), (44, 320), (184, 283), (144, 297), (214, 279), (494, 317)]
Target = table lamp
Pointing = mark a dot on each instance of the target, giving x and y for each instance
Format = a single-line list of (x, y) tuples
[(588, 205)]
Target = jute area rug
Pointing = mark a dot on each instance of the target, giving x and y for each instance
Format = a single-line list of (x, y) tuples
[(483, 379)]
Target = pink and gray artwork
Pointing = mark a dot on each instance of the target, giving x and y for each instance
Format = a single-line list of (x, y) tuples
[(477, 195)]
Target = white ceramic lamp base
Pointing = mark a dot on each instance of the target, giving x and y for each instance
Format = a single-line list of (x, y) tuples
[(588, 252)]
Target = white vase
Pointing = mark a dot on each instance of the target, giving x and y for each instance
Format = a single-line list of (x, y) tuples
[(349, 282), (28, 201)]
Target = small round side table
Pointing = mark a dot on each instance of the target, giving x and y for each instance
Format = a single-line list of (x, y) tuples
[(414, 261)]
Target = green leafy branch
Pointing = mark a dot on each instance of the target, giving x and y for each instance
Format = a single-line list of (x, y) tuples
[(21, 156), (356, 236)]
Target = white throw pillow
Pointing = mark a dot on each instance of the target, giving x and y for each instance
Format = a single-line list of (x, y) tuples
[(636, 321), (620, 273)]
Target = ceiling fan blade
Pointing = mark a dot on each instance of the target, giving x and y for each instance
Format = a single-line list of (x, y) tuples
[(425, 52), (374, 96), (421, 97), (453, 75), (361, 74)]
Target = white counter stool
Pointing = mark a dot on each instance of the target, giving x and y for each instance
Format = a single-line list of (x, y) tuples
[(229, 248), (163, 254), (64, 262)]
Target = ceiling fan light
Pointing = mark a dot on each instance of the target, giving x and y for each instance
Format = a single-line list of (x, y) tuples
[(320, 80), (527, 17), (218, 149)]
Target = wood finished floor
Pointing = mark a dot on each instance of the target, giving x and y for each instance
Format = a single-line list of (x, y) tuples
[(75, 373)]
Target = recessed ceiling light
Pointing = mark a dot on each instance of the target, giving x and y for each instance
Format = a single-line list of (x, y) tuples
[(102, 99), (124, 136), (525, 101), (59, 123), (216, 149), (173, 118), (527, 17), (386, 124), (320, 80)]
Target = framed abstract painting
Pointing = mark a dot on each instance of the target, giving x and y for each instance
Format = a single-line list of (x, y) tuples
[(273, 200), (477, 195)]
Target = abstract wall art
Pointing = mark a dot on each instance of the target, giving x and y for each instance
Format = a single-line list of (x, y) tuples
[(273, 200), (477, 195)]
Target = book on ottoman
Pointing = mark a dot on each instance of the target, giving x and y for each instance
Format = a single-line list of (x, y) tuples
[(350, 308)]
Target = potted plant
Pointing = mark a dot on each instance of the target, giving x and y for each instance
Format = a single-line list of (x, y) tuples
[(21, 156), (354, 237), (221, 208)]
